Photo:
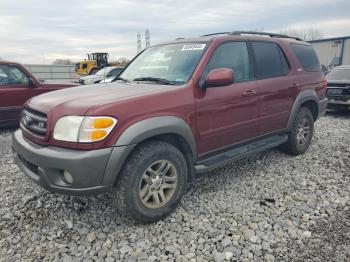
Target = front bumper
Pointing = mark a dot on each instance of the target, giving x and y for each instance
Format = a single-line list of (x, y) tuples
[(93, 171), (338, 96), (338, 102)]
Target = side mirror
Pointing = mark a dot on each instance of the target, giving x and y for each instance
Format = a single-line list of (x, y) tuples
[(219, 77)]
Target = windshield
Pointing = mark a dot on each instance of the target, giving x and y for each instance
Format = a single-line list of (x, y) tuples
[(174, 63), (104, 71), (339, 74)]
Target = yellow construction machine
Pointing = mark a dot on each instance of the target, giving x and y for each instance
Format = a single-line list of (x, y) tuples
[(95, 62)]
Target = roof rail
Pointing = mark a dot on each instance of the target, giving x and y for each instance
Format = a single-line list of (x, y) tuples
[(263, 33), (222, 33)]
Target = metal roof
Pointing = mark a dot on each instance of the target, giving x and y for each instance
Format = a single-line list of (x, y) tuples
[(330, 39)]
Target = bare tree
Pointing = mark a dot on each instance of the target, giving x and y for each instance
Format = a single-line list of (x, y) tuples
[(307, 34), (62, 62), (122, 61)]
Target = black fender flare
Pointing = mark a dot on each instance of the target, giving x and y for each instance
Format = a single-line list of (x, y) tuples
[(144, 129), (304, 96), (141, 131)]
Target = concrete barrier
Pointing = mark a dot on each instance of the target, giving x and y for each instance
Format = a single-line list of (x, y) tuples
[(54, 72)]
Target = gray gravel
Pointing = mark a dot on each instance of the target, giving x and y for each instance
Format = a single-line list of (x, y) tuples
[(269, 207)]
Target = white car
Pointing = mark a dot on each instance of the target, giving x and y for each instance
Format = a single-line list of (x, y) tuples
[(104, 73), (107, 80)]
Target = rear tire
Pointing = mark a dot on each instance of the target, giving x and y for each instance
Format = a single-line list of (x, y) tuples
[(300, 136), (152, 182)]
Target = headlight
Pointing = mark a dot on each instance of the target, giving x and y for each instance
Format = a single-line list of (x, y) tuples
[(83, 129)]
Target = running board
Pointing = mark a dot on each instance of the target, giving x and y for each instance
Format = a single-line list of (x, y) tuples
[(239, 152)]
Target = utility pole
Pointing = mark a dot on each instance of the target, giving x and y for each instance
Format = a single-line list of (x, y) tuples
[(148, 41), (139, 44)]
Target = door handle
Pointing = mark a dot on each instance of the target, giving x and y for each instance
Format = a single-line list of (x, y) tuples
[(249, 93), (294, 85)]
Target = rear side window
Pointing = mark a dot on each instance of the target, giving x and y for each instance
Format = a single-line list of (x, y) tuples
[(270, 60), (307, 57), (233, 55)]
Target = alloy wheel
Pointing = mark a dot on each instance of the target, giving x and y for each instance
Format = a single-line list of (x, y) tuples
[(158, 184), (303, 132)]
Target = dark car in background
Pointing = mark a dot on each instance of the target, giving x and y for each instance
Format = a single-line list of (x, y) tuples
[(338, 88), (17, 85)]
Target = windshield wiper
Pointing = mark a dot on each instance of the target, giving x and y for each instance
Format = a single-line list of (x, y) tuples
[(155, 79)]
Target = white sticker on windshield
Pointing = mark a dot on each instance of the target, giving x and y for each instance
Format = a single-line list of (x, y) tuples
[(192, 47)]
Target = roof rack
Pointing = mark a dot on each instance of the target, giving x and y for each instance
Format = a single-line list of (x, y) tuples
[(264, 33), (254, 33), (222, 33)]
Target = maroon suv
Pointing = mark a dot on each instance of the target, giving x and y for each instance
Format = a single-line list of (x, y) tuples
[(17, 85), (179, 108)]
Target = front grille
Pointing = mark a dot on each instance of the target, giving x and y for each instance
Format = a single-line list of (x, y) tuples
[(34, 121), (334, 91), (338, 85), (29, 165)]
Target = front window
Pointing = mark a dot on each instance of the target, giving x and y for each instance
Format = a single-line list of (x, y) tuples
[(12, 75), (233, 55), (173, 63)]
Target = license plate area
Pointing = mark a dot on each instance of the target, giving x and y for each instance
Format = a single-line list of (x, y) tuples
[(334, 91)]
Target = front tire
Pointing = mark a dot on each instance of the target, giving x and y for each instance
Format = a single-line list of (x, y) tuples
[(152, 182), (299, 139)]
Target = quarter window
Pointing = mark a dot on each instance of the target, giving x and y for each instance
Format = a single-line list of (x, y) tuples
[(270, 61), (307, 57), (233, 55)]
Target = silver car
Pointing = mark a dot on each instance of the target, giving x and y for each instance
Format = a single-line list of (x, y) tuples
[(104, 73)]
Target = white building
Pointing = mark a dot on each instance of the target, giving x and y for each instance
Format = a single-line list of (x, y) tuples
[(333, 51)]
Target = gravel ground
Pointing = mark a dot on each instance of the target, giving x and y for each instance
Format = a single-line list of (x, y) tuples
[(269, 207)]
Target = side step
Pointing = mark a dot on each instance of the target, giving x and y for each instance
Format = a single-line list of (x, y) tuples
[(239, 151)]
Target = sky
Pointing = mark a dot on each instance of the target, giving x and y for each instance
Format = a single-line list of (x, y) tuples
[(40, 31)]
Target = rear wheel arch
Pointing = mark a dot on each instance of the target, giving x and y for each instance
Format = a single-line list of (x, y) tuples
[(308, 99)]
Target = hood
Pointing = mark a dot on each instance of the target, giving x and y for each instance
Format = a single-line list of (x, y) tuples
[(78, 100), (345, 81)]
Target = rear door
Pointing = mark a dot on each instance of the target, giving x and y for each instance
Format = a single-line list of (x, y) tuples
[(15, 90), (277, 83), (226, 115)]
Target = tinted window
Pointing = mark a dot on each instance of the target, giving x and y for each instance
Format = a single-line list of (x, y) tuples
[(115, 72), (270, 60), (232, 55), (307, 57)]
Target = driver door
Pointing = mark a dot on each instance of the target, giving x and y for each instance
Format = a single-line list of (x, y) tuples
[(15, 90), (228, 115)]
